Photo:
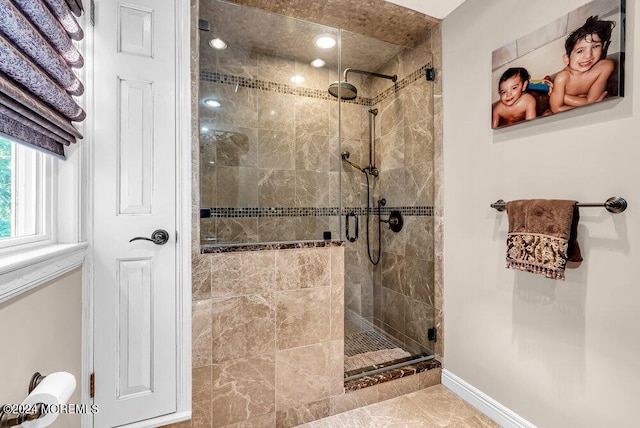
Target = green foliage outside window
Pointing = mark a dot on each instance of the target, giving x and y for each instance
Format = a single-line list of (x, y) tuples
[(5, 188)]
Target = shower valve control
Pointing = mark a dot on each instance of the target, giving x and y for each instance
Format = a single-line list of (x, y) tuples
[(395, 221)]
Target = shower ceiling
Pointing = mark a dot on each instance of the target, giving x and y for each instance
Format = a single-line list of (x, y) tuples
[(374, 18), (389, 27)]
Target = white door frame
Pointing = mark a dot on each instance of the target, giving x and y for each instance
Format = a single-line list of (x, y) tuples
[(183, 219)]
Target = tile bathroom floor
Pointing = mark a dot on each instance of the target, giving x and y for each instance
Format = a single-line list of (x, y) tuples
[(435, 407)]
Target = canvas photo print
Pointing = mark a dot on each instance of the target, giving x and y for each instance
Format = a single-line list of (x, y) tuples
[(575, 61)]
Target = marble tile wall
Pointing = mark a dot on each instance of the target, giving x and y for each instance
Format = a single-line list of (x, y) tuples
[(267, 336), (267, 340)]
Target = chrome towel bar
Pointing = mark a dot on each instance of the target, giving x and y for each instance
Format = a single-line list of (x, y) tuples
[(615, 204)]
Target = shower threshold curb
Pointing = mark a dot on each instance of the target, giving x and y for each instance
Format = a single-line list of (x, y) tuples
[(398, 370)]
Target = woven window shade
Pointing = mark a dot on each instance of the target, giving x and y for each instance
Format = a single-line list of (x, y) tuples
[(37, 81)]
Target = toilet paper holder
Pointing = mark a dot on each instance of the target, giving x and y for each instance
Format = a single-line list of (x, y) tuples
[(15, 418)]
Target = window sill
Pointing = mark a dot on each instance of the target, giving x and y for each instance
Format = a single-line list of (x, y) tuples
[(25, 270)]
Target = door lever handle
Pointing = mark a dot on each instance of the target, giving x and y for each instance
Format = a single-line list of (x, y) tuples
[(158, 237)]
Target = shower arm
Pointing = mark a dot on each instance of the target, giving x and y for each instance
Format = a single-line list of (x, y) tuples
[(369, 73)]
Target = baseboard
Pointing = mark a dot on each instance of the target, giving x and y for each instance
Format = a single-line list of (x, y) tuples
[(481, 401)]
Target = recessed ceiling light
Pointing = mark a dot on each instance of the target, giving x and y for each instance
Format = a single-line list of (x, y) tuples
[(204, 129), (218, 44), (212, 103), (325, 41), (317, 63), (297, 79)]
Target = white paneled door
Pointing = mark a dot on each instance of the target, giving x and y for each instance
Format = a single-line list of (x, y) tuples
[(134, 196)]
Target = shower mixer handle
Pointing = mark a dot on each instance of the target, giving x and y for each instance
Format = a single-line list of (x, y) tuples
[(395, 221)]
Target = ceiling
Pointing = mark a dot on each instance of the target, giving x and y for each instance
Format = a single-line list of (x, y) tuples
[(379, 19), (435, 8), (376, 30)]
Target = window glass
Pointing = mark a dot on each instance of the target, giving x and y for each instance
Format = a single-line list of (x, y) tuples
[(6, 187), (24, 216)]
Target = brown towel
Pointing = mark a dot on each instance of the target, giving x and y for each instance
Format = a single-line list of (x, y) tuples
[(542, 236)]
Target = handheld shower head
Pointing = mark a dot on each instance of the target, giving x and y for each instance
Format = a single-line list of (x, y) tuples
[(345, 157)]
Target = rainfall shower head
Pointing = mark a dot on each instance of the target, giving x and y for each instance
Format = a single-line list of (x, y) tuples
[(346, 91), (343, 90)]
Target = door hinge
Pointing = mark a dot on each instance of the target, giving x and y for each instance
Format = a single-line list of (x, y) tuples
[(432, 334), (92, 385)]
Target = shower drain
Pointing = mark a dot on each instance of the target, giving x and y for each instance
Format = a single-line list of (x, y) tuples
[(366, 341)]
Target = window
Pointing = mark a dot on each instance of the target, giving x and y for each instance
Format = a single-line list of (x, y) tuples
[(25, 212), (40, 96)]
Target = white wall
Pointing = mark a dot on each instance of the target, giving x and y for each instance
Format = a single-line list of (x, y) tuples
[(560, 354), (42, 332)]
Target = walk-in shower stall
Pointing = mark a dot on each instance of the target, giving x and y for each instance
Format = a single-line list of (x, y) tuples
[(305, 141)]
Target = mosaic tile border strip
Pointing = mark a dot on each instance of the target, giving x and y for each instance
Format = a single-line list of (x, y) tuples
[(417, 211), (230, 248), (283, 88), (268, 212), (250, 212)]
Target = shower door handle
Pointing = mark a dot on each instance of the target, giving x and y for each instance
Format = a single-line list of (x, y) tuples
[(346, 227)]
